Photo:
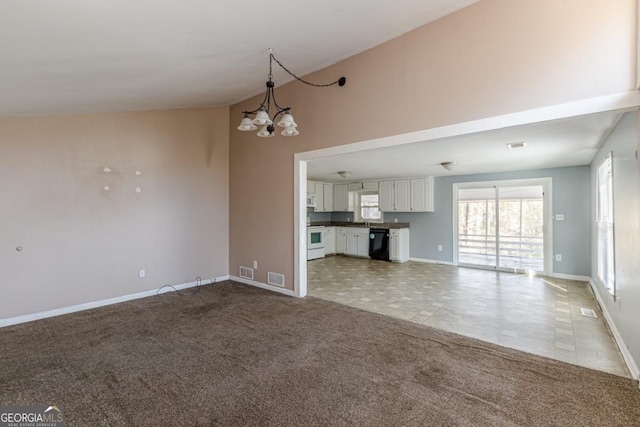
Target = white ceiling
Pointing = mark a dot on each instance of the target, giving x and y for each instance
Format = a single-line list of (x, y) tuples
[(568, 142), (77, 56), (69, 56)]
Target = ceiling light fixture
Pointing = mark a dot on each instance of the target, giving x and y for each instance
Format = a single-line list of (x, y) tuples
[(448, 165), (344, 174), (261, 113), (521, 144)]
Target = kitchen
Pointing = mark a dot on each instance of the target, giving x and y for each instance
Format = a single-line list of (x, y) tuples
[(347, 218)]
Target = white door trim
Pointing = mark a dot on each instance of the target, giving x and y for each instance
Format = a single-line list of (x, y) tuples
[(300, 227), (621, 102)]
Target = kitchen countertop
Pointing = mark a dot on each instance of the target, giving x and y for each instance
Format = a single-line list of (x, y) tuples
[(360, 224)]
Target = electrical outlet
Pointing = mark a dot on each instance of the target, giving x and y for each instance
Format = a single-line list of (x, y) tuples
[(142, 273), (439, 248), (559, 217), (558, 257), (255, 264)]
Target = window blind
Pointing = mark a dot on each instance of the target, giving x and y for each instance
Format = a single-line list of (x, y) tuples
[(604, 220)]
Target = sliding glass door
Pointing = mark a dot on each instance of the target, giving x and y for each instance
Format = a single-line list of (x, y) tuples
[(477, 227), (502, 225), (521, 233)]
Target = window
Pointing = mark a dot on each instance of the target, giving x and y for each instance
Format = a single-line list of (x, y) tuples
[(370, 207), (604, 221)]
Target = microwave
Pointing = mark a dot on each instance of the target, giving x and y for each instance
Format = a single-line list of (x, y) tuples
[(311, 200)]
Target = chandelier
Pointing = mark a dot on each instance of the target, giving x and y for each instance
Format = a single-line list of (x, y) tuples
[(282, 116)]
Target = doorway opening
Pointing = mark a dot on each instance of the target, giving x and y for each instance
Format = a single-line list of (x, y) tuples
[(503, 225)]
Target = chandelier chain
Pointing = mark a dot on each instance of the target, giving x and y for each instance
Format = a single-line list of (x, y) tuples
[(272, 57)]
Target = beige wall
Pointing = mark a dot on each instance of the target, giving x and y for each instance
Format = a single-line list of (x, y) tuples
[(492, 58), (84, 244)]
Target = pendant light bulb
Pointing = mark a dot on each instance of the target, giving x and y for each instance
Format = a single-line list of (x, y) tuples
[(262, 118)]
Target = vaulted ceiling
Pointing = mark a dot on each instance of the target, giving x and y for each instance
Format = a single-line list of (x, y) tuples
[(76, 56), (79, 56)]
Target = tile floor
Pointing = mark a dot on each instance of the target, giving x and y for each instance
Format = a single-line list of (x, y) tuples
[(538, 315)]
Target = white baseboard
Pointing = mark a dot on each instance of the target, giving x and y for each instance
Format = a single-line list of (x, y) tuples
[(570, 277), (109, 301), (284, 291), (431, 261), (628, 358)]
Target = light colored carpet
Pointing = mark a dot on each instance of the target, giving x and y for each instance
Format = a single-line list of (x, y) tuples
[(236, 355)]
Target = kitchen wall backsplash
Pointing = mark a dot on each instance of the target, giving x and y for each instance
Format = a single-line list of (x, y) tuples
[(318, 216)]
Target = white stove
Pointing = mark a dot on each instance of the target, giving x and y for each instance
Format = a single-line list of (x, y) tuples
[(315, 243)]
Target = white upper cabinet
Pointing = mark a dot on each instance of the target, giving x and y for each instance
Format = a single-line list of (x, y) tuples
[(402, 195), (422, 194), (370, 185), (324, 197), (328, 197), (406, 195), (340, 198), (385, 194), (319, 197), (311, 187), (396, 195)]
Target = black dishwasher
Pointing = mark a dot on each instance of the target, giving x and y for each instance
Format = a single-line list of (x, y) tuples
[(379, 243)]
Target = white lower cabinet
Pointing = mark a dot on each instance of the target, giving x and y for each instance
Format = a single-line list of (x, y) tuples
[(399, 245), (354, 241), (341, 240), (357, 241), (329, 240), (363, 242)]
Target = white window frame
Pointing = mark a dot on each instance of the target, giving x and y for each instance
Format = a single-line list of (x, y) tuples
[(358, 209), (605, 231)]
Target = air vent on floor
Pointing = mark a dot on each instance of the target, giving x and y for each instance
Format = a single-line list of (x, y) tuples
[(246, 273), (589, 313), (275, 279)]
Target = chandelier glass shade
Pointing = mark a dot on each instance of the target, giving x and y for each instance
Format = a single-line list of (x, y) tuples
[(282, 116)]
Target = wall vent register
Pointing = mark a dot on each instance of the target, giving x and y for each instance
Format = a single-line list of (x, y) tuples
[(275, 279), (246, 273)]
